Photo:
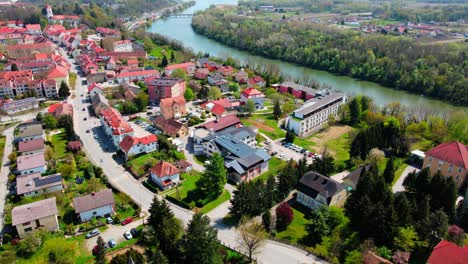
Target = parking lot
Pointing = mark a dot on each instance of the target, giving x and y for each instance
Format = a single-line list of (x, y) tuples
[(287, 151)]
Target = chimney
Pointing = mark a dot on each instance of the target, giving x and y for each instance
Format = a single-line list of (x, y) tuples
[(93, 193)]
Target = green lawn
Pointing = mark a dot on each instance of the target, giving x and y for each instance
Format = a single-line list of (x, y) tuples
[(266, 124), (304, 142), (188, 185), (200, 159), (2, 148), (141, 163), (274, 167), (340, 147), (59, 144), (297, 229)]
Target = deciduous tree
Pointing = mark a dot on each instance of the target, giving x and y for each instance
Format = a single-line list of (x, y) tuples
[(252, 237)]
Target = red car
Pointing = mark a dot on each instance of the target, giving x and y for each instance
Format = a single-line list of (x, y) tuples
[(311, 154), (127, 221)]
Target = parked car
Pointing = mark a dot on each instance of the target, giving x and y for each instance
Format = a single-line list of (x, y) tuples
[(112, 243), (109, 221), (85, 118), (134, 232), (127, 221), (128, 235), (93, 233), (87, 131), (84, 109), (311, 154)]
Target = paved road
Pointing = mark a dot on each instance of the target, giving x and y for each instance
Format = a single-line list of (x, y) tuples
[(5, 168), (398, 186), (272, 252)]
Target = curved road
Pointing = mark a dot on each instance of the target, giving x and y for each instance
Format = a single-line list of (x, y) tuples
[(272, 252)]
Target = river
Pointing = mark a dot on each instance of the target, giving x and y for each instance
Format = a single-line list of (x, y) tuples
[(180, 29)]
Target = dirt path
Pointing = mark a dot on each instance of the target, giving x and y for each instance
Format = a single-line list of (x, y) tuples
[(330, 133)]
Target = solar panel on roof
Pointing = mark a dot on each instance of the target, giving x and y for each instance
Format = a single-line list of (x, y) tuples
[(41, 181)]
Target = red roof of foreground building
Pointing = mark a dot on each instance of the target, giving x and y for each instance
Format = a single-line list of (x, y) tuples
[(169, 102), (115, 121), (251, 91), (58, 72), (222, 123), (30, 145), (95, 85), (180, 66), (163, 169), (128, 142), (448, 253), (137, 73), (214, 108), (451, 152)]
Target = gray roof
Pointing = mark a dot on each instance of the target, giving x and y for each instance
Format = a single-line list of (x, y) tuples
[(314, 183), (99, 100), (299, 87), (165, 82), (316, 103), (354, 176), (238, 133), (93, 201), (32, 182), (32, 211), (30, 129)]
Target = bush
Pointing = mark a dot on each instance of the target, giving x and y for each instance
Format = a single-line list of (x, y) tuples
[(150, 186), (284, 215), (179, 203)]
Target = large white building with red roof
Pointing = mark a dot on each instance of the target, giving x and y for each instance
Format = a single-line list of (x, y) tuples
[(450, 159), (131, 146), (255, 95), (164, 174), (188, 67), (114, 125)]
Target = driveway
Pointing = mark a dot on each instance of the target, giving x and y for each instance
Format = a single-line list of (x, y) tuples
[(398, 186), (113, 232)]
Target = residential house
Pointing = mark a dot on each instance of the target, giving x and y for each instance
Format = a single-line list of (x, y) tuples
[(131, 146), (183, 166), (315, 190), (59, 74), (257, 80), (34, 184), (215, 77), (214, 108), (114, 125), (26, 50), (226, 70), (94, 89), (201, 136), (255, 95), (299, 91), (96, 204), (222, 123), (450, 159), (138, 75), (202, 74), (165, 175), (123, 46), (173, 107), (21, 105), (160, 88), (31, 146), (111, 64), (241, 76), (352, 179), (105, 55), (448, 253), (99, 103), (314, 113), (29, 131), (223, 85), (170, 127), (61, 109), (33, 216), (132, 64), (188, 67), (33, 163)]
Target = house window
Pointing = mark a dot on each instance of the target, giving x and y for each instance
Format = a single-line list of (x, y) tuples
[(94, 213), (459, 169), (441, 162), (29, 229)]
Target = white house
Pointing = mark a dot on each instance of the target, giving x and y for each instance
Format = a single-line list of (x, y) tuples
[(114, 125), (99, 204), (34, 184), (20, 105), (314, 113), (255, 95), (188, 67), (131, 146), (164, 174), (130, 76), (123, 46), (95, 88), (34, 163)]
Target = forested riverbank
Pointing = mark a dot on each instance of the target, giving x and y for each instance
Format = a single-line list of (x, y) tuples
[(397, 62)]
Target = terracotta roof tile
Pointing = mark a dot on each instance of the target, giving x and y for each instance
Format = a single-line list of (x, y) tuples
[(451, 152), (164, 168)]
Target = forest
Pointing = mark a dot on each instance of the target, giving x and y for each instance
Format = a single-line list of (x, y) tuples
[(390, 9), (437, 71)]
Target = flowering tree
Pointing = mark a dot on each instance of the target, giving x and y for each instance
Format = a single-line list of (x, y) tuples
[(284, 215), (401, 257), (456, 235)]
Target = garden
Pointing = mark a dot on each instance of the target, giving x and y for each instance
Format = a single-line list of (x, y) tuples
[(139, 165)]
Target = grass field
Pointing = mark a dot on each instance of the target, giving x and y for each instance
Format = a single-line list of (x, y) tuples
[(297, 229), (339, 148), (274, 167), (2, 148), (266, 124), (59, 144)]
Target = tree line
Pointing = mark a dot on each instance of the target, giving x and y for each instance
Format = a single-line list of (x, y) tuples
[(394, 61)]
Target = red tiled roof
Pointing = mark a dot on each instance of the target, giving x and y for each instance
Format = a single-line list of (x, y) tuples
[(451, 152), (163, 169), (137, 73), (115, 121), (214, 108), (448, 253), (128, 142), (58, 72), (29, 46), (53, 107), (33, 27), (30, 161), (222, 123), (168, 102), (168, 126), (179, 66), (251, 91), (30, 145), (95, 85)]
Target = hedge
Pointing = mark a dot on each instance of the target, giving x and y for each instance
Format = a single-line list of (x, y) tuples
[(179, 203)]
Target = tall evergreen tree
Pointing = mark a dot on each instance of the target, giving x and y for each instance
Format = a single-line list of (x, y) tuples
[(324, 165), (200, 243), (402, 207), (14, 67), (286, 180), (212, 182), (270, 192), (389, 172), (64, 91), (158, 257), (277, 111), (101, 251), (173, 57), (164, 61), (354, 110)]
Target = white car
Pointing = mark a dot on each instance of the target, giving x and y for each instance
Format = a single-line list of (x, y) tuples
[(128, 235)]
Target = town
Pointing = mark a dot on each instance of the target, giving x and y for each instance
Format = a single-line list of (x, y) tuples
[(122, 147)]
